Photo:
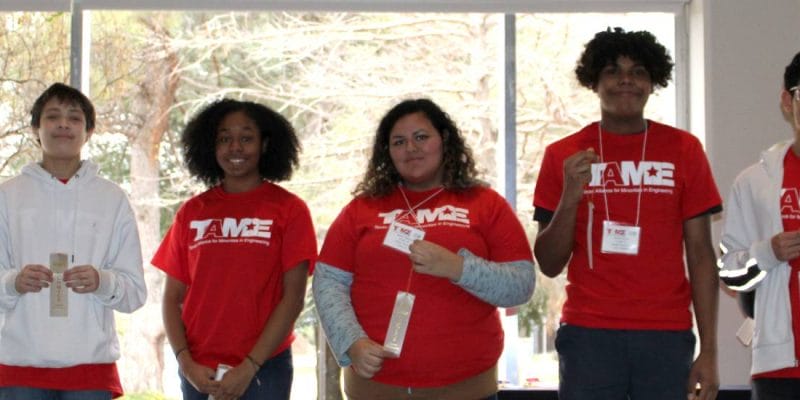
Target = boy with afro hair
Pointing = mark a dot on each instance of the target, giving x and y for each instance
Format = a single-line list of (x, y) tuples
[(617, 204)]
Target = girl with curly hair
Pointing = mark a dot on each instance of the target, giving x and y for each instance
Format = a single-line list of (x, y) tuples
[(425, 239), (237, 256)]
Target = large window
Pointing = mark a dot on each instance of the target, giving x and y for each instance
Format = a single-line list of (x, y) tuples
[(27, 62), (333, 75)]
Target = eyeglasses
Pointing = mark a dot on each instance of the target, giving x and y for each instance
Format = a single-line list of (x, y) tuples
[(796, 91)]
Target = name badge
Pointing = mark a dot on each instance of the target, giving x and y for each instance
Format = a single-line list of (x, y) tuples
[(619, 238), (400, 236)]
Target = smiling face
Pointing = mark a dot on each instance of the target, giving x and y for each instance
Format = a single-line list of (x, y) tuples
[(623, 88), (238, 151), (61, 131), (416, 150)]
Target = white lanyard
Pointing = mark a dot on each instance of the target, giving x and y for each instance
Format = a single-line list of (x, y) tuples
[(408, 204), (416, 221), (641, 181)]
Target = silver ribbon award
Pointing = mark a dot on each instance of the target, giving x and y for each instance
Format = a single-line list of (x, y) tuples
[(58, 290), (398, 324)]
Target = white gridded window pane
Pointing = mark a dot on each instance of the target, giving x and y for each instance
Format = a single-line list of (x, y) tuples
[(333, 75), (27, 67)]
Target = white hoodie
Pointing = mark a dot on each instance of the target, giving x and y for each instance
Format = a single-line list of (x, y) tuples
[(90, 219), (748, 262)]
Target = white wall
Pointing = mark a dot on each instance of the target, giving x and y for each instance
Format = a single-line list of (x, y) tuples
[(739, 49)]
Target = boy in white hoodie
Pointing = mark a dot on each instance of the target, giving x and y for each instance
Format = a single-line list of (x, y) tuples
[(761, 250), (57, 333)]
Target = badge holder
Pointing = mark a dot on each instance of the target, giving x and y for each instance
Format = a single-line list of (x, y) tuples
[(400, 236), (746, 332), (620, 238), (58, 289)]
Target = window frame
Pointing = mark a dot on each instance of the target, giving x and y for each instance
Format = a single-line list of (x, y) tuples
[(506, 162)]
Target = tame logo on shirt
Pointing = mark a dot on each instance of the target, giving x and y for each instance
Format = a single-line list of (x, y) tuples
[(790, 202), (447, 213), (231, 228), (627, 173)]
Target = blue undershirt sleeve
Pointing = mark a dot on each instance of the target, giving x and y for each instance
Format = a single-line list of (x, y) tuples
[(505, 284), (331, 288)]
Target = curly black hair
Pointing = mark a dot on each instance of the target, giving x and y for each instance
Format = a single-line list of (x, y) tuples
[(791, 76), (459, 166), (640, 46), (278, 158)]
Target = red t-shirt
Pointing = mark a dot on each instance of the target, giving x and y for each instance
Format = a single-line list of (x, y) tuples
[(790, 215), (79, 377), (452, 335), (231, 250), (649, 290)]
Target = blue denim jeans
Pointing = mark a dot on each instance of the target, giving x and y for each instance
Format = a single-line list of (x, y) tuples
[(28, 393), (776, 389), (275, 376), (613, 364)]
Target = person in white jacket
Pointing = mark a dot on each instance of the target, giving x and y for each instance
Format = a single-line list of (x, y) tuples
[(69, 257), (761, 251)]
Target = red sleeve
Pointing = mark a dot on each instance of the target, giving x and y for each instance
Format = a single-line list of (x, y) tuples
[(339, 247), (700, 193), (172, 254), (300, 241), (506, 238), (547, 192)]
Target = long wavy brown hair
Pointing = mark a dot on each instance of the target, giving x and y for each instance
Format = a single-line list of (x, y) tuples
[(459, 167)]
